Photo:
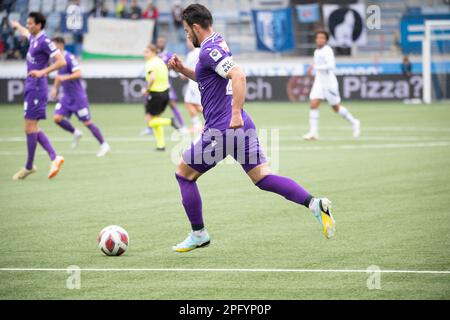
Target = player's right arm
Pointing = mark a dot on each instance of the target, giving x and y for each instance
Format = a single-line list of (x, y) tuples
[(22, 30), (55, 88), (177, 65), (239, 88)]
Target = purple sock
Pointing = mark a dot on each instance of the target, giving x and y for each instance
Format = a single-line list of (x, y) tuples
[(178, 116), (31, 147), (45, 143), (285, 187), (96, 132), (66, 125), (192, 202)]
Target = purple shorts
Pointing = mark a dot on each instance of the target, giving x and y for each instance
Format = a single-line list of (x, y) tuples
[(214, 145), (35, 105), (64, 109)]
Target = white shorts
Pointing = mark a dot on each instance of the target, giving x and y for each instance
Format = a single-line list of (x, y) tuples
[(326, 90), (192, 94)]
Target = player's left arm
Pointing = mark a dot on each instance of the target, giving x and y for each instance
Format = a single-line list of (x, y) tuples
[(58, 63), (239, 87), (177, 65)]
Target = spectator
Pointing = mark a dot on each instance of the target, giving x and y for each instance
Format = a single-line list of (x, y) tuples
[(99, 9), (406, 67), (21, 47), (151, 12), (135, 11), (177, 11), (121, 9)]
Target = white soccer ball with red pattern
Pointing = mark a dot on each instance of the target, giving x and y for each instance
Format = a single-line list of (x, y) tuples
[(113, 240)]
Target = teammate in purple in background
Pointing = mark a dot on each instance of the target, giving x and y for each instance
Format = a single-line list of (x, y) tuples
[(74, 100), (223, 87), (166, 56), (40, 51)]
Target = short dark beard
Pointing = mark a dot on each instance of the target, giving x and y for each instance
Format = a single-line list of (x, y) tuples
[(195, 42)]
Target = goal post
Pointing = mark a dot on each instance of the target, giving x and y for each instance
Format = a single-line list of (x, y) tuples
[(427, 54)]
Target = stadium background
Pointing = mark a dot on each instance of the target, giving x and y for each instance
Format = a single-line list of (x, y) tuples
[(369, 68)]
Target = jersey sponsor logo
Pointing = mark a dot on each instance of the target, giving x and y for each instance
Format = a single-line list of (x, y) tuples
[(215, 55)]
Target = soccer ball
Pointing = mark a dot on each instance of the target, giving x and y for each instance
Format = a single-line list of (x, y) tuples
[(113, 240)]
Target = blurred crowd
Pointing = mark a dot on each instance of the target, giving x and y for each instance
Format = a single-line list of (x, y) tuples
[(13, 46)]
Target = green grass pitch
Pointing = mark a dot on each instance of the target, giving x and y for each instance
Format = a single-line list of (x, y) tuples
[(390, 192)]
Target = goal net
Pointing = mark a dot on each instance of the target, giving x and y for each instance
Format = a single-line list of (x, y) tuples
[(436, 60)]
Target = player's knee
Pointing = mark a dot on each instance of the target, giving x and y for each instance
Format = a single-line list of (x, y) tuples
[(336, 107), (258, 174), (57, 118), (87, 123), (30, 127), (314, 104), (183, 171)]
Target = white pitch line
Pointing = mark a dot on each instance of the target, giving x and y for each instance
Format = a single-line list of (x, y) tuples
[(431, 144), (282, 138), (222, 270)]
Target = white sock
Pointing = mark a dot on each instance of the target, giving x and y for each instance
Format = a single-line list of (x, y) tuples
[(313, 204), (196, 121), (314, 121), (344, 113), (199, 233)]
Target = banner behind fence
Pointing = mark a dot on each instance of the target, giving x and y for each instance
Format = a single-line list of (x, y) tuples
[(295, 89), (125, 39)]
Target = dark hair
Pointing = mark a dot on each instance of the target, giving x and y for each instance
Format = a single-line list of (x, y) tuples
[(321, 31), (38, 18), (197, 14), (59, 40)]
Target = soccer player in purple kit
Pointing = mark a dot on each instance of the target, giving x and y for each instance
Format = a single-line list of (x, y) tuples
[(40, 50), (74, 100), (223, 86)]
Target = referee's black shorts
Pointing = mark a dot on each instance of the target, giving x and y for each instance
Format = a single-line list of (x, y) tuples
[(156, 102)]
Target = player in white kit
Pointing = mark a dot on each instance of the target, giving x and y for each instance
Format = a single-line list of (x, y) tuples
[(192, 98), (326, 87)]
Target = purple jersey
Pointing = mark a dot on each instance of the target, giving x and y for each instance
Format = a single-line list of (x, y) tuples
[(165, 56), (214, 63), (40, 51), (74, 96)]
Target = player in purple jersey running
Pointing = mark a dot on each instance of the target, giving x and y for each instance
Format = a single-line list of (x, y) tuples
[(40, 50), (229, 130), (74, 100)]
